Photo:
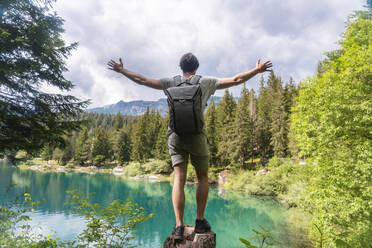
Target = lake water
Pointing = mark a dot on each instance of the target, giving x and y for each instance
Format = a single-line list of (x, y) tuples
[(231, 214)]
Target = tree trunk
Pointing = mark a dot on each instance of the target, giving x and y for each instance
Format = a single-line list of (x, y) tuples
[(192, 239)]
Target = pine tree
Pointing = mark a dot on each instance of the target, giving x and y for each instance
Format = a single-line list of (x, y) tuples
[(263, 132), (211, 131), (124, 147), (279, 124), (47, 152), (241, 139), (152, 132), (83, 147), (118, 122), (140, 140), (225, 116), (101, 145), (161, 146), (252, 122), (290, 93), (32, 54), (66, 154)]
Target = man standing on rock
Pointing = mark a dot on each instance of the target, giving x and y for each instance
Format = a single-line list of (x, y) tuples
[(187, 98)]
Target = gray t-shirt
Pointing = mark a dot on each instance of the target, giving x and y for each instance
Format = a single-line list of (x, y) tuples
[(208, 86)]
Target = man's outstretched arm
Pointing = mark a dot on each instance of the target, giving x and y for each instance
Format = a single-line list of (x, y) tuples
[(245, 76), (135, 77)]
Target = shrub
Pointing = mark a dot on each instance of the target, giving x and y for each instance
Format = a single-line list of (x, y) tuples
[(110, 226), (274, 162), (99, 160), (157, 167)]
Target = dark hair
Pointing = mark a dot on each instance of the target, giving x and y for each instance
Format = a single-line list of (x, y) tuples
[(189, 62)]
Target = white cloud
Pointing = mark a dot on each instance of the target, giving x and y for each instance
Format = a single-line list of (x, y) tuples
[(226, 36)]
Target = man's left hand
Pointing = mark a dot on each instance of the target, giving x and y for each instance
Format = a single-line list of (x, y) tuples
[(262, 67)]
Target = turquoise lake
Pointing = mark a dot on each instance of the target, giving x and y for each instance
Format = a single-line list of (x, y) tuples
[(231, 214)]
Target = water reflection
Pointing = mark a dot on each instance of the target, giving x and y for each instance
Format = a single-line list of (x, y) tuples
[(232, 215)]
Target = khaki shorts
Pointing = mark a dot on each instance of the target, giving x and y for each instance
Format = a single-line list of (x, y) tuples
[(195, 146)]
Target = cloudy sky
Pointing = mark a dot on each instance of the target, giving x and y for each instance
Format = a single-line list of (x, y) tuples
[(226, 36)]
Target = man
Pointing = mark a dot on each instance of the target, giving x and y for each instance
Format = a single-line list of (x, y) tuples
[(195, 145)]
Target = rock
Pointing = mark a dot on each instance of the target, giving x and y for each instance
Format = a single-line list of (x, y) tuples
[(263, 171), (192, 239), (152, 178), (117, 171), (222, 177)]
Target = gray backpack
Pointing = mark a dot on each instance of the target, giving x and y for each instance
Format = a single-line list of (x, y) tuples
[(185, 106)]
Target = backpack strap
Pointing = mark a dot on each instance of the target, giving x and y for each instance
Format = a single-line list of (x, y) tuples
[(195, 79), (179, 80)]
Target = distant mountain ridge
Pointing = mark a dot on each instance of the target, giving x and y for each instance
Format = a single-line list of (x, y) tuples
[(139, 107)]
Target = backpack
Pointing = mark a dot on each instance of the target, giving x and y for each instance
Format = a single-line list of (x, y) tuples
[(185, 106)]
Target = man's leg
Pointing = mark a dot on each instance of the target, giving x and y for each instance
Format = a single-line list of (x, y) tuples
[(201, 191), (178, 193)]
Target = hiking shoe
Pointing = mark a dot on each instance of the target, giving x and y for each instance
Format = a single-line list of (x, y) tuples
[(178, 232), (202, 226)]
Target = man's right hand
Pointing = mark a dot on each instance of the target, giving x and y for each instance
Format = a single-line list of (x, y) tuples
[(118, 67), (135, 77)]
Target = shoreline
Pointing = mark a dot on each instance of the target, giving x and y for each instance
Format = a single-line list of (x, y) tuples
[(297, 217)]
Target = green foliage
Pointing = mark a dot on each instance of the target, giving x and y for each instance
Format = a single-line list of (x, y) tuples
[(110, 226), (32, 54), (99, 160), (274, 162), (15, 230), (263, 237), (332, 122)]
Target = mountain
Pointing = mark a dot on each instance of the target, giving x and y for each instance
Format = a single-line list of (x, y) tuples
[(138, 107)]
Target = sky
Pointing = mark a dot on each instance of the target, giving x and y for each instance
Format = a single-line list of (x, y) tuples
[(227, 37)]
